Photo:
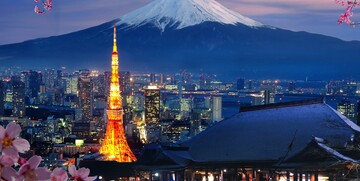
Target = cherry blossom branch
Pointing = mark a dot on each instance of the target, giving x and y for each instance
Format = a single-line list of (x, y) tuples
[(10, 147), (46, 4), (345, 17)]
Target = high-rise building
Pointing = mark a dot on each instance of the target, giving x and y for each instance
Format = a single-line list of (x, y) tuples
[(32, 80), (2, 97), (267, 97), (162, 79), (334, 87), (49, 79), (99, 84), (58, 79), (216, 109), (250, 85), (152, 105), (292, 86), (107, 77), (358, 113), (205, 82), (268, 92), (256, 100), (170, 79), (185, 77), (85, 88), (72, 83), (346, 108), (349, 88), (152, 79), (125, 81), (241, 84), (115, 146), (18, 99)]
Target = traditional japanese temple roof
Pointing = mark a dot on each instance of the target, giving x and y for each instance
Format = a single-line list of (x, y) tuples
[(156, 157), (302, 134), (271, 132)]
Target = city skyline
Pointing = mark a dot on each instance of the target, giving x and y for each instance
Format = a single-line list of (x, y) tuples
[(68, 16), (179, 90)]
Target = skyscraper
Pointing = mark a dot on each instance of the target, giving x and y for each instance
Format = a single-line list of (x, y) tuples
[(125, 81), (85, 87), (152, 78), (152, 114), (349, 88), (216, 109), (2, 96), (267, 97), (32, 80), (346, 108), (99, 85), (292, 86), (71, 83), (162, 79), (18, 99), (152, 105), (49, 79), (358, 113), (205, 82), (250, 85), (58, 79), (241, 84), (115, 146), (107, 77)]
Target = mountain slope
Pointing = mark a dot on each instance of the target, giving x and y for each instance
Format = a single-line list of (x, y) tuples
[(215, 47)]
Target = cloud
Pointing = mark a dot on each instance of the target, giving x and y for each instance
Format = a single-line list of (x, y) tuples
[(269, 7), (255, 10)]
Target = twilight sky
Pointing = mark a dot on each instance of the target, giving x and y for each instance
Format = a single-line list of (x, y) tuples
[(18, 21)]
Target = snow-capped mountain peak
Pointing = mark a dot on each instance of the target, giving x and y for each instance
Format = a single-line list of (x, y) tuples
[(184, 13)]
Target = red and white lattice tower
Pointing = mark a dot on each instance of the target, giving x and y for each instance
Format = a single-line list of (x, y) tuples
[(115, 146)]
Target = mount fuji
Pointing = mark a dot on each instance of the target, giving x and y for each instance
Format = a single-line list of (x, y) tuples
[(184, 13), (200, 36)]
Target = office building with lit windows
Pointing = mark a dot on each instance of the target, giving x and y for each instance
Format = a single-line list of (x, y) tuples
[(18, 99), (85, 94), (152, 105)]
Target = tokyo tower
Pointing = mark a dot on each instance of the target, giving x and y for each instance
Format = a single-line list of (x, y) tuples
[(115, 146)]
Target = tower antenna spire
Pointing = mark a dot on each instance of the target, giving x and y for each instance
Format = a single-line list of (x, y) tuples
[(115, 46)]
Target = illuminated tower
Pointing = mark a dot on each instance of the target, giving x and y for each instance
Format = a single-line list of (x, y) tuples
[(115, 146)]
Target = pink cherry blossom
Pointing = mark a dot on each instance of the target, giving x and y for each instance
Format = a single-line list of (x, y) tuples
[(10, 144), (80, 175), (59, 174), (21, 161), (47, 4), (38, 11), (341, 2), (30, 171), (6, 171), (345, 17), (6, 160)]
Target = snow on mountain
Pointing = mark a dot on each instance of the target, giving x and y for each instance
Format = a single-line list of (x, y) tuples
[(183, 13)]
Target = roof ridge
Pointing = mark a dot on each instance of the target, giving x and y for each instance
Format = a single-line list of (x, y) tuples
[(282, 105)]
